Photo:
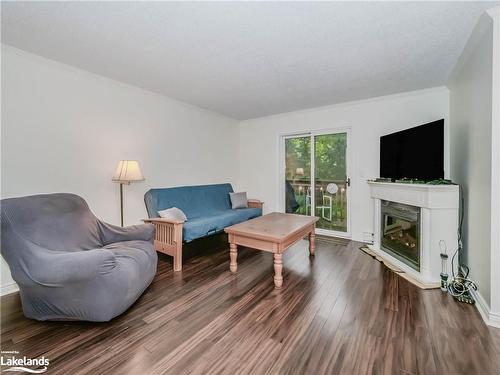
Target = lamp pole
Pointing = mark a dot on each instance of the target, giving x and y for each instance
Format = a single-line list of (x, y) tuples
[(121, 203)]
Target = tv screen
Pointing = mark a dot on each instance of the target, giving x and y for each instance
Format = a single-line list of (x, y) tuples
[(416, 153)]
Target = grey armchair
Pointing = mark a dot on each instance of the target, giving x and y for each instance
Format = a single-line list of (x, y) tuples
[(68, 264)]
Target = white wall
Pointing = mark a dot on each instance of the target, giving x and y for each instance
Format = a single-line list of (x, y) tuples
[(474, 140), (64, 130), (494, 313), (368, 120), (470, 138)]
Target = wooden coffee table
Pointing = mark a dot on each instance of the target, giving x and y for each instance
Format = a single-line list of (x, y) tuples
[(275, 233)]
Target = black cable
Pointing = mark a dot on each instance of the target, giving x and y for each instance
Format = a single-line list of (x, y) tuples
[(460, 285)]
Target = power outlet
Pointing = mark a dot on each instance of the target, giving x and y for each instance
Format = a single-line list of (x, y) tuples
[(368, 237)]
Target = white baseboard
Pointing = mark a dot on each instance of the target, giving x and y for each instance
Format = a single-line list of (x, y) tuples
[(490, 318), (8, 288)]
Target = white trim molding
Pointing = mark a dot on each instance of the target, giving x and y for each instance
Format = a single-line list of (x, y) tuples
[(9, 288), (489, 317)]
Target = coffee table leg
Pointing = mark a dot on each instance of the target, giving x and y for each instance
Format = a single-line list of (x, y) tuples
[(312, 245), (278, 267), (233, 254)]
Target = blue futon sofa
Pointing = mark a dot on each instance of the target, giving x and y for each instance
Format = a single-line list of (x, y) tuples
[(208, 210)]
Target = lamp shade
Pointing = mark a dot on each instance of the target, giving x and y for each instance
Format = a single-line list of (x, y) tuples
[(128, 171), (299, 171)]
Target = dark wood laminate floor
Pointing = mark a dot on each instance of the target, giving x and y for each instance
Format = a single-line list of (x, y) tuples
[(340, 312)]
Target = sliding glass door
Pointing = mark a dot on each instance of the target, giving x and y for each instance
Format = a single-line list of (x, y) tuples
[(298, 175), (316, 179), (331, 181)]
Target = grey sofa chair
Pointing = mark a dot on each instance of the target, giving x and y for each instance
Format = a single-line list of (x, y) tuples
[(68, 264)]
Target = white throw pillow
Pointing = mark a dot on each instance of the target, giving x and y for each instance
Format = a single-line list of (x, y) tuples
[(239, 200), (173, 213)]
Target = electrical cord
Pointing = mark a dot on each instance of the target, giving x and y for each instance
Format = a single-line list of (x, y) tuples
[(460, 285)]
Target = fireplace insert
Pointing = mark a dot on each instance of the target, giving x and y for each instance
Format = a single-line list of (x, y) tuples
[(400, 236)]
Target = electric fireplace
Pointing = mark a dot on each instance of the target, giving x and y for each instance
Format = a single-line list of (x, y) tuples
[(400, 232), (418, 217)]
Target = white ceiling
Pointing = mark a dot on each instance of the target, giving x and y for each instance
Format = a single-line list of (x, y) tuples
[(251, 59)]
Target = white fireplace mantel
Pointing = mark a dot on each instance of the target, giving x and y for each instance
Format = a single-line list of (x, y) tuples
[(439, 206)]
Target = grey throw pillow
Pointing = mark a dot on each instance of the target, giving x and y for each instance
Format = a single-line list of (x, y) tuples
[(173, 213), (239, 200)]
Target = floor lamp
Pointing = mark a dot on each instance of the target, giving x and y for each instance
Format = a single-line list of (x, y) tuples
[(127, 171)]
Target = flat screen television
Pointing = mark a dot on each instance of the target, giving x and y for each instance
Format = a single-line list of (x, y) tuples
[(416, 153)]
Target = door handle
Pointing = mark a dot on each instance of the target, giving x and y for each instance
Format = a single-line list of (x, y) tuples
[(348, 181)]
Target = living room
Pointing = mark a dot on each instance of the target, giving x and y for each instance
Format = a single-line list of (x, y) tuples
[(260, 96)]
